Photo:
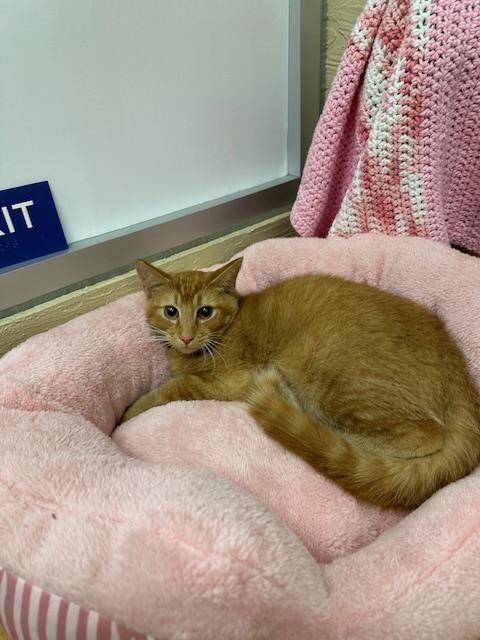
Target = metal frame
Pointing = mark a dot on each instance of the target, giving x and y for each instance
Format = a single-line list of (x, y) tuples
[(100, 257), (113, 253)]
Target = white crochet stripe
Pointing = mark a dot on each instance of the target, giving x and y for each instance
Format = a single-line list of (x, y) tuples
[(401, 225), (359, 37), (421, 9), (373, 225), (380, 137), (411, 184), (346, 221), (404, 156), (376, 82)]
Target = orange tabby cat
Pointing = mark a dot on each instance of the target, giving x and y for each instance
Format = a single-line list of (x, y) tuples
[(367, 387)]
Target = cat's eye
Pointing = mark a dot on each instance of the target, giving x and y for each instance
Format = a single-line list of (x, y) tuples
[(205, 312), (170, 312)]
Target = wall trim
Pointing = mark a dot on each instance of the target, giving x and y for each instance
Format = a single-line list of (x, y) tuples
[(98, 256), (16, 328)]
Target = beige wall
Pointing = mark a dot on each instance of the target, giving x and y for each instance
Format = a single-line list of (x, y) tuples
[(312, 75), (341, 16)]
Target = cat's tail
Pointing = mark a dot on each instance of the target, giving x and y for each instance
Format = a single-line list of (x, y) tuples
[(386, 480)]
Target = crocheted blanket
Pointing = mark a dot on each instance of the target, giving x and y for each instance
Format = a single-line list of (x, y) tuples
[(397, 149)]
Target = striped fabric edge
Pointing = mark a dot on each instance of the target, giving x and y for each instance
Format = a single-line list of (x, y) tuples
[(30, 613)]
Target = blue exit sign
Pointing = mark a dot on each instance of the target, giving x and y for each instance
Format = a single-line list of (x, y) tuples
[(29, 224)]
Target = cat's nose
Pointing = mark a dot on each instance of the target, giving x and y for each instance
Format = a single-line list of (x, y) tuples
[(186, 339)]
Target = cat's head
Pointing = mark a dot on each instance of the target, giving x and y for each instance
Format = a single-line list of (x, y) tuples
[(190, 310)]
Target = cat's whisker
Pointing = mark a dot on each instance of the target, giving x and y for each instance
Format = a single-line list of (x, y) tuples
[(214, 339), (203, 349), (213, 346), (210, 353), (158, 332), (162, 343), (158, 336)]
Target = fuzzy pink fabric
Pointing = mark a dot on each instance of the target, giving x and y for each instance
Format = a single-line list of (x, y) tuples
[(397, 148), (190, 523)]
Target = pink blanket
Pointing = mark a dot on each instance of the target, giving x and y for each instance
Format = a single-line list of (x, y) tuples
[(397, 149), (190, 523)]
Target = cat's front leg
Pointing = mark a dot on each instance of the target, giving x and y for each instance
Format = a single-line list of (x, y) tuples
[(183, 388)]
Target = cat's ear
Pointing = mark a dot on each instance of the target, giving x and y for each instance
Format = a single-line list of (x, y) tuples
[(225, 277), (151, 277)]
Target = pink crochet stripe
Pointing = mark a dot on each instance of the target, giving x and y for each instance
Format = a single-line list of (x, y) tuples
[(397, 148), (27, 612)]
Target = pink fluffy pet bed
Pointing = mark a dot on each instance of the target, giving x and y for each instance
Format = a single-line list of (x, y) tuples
[(187, 522)]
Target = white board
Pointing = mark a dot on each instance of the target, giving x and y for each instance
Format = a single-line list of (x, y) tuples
[(133, 109)]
